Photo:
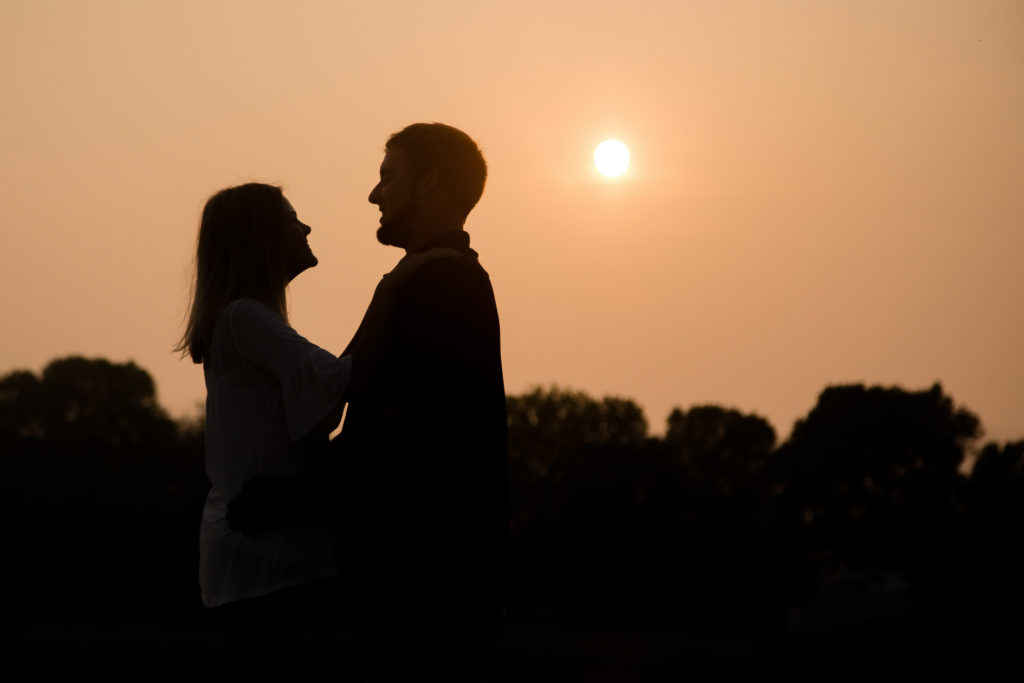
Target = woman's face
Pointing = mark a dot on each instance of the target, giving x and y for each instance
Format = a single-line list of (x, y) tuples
[(298, 255)]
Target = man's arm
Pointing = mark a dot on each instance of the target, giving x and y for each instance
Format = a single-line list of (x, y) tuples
[(267, 499)]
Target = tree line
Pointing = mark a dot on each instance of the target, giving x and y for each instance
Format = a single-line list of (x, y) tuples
[(864, 518)]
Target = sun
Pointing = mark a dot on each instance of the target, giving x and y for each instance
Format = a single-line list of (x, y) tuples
[(611, 158)]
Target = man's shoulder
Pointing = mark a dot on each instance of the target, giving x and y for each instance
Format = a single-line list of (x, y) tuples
[(449, 272), (454, 290)]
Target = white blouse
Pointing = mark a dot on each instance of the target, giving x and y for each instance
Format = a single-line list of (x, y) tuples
[(266, 386)]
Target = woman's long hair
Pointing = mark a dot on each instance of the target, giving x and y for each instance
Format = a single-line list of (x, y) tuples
[(239, 253)]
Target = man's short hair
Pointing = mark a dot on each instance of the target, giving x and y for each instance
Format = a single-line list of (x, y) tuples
[(460, 164)]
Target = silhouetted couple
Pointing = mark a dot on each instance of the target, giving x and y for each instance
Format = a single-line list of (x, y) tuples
[(408, 502)]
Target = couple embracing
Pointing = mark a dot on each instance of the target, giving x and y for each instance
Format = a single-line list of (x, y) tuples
[(407, 504)]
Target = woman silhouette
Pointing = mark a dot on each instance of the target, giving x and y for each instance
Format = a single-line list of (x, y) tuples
[(273, 398)]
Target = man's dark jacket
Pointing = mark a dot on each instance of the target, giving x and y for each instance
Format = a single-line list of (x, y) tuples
[(425, 451)]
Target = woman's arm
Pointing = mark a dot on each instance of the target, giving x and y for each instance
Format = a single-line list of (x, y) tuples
[(267, 499), (312, 380)]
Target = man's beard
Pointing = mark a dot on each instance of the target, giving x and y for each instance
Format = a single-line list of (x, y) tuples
[(384, 236), (395, 231)]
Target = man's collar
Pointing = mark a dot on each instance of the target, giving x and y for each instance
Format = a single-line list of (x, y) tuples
[(453, 239)]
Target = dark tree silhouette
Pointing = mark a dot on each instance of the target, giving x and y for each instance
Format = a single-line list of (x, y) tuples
[(992, 562), (872, 492), (878, 461), (546, 426), (996, 488), (724, 452), (728, 550), (711, 528), (612, 526), (577, 472), (101, 493)]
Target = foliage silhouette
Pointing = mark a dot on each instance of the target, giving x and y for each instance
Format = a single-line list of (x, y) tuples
[(733, 565), (566, 501), (101, 493), (871, 501), (612, 526), (714, 527), (876, 465), (992, 561)]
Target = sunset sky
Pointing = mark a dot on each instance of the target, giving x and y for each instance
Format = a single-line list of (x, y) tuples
[(820, 192)]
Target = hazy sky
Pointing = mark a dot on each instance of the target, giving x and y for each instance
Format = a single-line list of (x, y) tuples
[(820, 192)]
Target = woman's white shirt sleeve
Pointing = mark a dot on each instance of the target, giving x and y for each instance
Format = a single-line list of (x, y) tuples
[(266, 387), (313, 380)]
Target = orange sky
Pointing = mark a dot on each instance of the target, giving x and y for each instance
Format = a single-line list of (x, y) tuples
[(820, 192)]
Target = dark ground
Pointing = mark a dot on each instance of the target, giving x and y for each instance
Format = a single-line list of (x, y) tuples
[(533, 655)]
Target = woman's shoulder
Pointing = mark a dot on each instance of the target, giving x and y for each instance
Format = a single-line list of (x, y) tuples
[(247, 304), (249, 308), (247, 315)]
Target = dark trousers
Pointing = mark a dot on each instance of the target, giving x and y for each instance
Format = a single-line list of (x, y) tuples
[(263, 637), (426, 633)]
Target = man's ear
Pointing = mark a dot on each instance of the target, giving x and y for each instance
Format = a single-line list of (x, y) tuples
[(428, 182)]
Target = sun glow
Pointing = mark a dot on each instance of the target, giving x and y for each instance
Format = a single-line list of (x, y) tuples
[(611, 158)]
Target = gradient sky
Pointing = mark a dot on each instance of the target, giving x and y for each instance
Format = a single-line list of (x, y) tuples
[(820, 192)]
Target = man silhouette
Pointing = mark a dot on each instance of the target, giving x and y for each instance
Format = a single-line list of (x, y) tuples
[(418, 473), (426, 445)]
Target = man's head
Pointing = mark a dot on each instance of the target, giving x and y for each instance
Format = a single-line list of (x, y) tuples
[(431, 178)]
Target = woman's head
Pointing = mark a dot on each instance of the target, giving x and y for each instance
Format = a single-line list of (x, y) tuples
[(251, 244)]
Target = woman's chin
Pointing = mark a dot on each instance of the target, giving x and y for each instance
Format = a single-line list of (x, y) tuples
[(305, 266)]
